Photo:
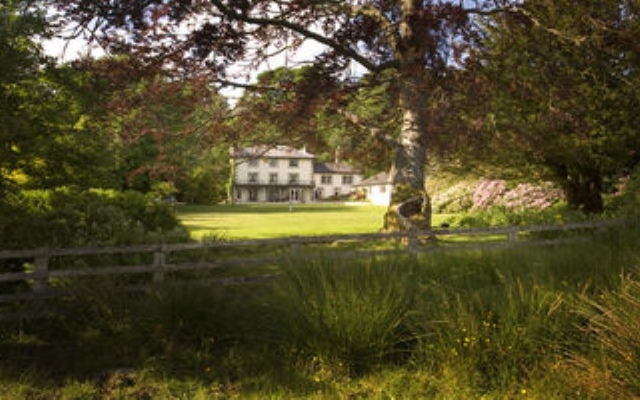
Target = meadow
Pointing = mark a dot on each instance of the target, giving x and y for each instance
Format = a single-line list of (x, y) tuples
[(533, 323), (262, 221)]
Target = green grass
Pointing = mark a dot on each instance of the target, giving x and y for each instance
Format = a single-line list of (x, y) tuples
[(536, 323), (265, 221), (276, 220)]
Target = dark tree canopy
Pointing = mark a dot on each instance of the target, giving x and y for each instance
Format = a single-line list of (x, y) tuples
[(417, 40), (557, 72), (563, 92)]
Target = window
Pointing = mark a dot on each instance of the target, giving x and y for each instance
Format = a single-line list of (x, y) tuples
[(326, 179), (253, 177), (347, 180), (253, 195), (273, 162), (293, 163), (336, 191), (253, 162), (294, 179), (272, 195), (273, 178)]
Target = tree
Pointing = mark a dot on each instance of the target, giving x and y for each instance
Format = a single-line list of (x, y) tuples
[(20, 62), (415, 41), (45, 138), (280, 109), (564, 76), (160, 128)]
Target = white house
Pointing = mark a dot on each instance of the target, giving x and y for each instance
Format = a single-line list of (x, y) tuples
[(377, 189), (282, 173), (335, 179)]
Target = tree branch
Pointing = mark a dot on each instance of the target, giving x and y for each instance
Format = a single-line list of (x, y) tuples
[(520, 10), (374, 131), (299, 29), (388, 28)]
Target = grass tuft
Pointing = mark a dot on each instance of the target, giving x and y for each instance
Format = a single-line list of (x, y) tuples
[(347, 315), (610, 365)]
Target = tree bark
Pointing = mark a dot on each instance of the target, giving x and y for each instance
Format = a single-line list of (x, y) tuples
[(582, 188), (410, 153), (409, 158)]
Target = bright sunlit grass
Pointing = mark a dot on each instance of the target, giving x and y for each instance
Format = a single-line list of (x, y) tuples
[(279, 220), (266, 221)]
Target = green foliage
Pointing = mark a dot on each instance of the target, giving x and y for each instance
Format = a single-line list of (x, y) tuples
[(207, 182), (20, 61), (68, 216), (562, 93), (45, 127), (626, 200)]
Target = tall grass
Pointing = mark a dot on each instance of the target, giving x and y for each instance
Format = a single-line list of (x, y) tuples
[(609, 366), (347, 316), (495, 342), (553, 322)]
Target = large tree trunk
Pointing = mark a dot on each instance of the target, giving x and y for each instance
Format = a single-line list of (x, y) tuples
[(582, 188), (409, 159), (410, 153)]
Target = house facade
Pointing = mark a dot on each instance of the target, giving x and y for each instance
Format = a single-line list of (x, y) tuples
[(377, 189), (333, 180), (284, 174)]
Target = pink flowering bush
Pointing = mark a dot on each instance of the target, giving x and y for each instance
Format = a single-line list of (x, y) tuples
[(453, 199), (495, 193), (488, 192), (525, 196), (530, 196)]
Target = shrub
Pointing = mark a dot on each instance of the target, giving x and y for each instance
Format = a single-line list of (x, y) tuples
[(453, 198), (530, 196), (66, 217), (627, 198), (346, 316), (488, 192), (484, 194)]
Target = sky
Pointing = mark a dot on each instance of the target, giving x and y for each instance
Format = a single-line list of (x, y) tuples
[(68, 50)]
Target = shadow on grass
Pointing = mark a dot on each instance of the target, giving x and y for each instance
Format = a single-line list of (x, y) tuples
[(182, 340)]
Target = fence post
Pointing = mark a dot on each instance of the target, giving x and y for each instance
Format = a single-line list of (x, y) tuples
[(412, 237), (159, 261), (41, 272)]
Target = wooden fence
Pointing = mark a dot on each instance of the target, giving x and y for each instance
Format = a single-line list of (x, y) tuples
[(40, 268)]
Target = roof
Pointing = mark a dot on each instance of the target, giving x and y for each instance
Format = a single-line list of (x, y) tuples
[(265, 151), (379, 179), (334, 168)]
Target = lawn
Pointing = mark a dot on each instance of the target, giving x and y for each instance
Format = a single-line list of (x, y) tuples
[(279, 220)]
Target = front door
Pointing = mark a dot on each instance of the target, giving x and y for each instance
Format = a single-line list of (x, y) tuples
[(294, 195)]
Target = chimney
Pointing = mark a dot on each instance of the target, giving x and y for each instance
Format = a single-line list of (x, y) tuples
[(338, 155)]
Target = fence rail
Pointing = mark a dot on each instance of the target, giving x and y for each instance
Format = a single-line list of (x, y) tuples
[(38, 273)]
